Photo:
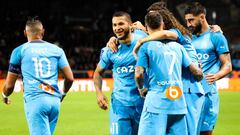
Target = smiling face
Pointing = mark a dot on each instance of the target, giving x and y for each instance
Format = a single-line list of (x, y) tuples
[(194, 23), (121, 27)]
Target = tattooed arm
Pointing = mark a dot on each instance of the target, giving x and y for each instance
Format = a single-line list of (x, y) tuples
[(226, 68)]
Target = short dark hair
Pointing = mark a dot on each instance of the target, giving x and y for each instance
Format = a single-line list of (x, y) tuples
[(157, 6), (195, 8), (122, 13), (153, 19), (32, 21)]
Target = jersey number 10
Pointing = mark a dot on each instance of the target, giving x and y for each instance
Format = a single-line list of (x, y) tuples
[(39, 63)]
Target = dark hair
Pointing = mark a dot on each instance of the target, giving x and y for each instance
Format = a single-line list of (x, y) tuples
[(171, 22), (122, 13), (157, 6), (153, 19), (32, 21), (195, 8)]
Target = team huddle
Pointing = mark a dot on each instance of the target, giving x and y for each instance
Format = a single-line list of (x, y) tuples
[(164, 74), (175, 73)]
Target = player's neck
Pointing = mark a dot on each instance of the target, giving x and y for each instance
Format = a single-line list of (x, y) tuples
[(205, 27), (34, 38), (127, 40)]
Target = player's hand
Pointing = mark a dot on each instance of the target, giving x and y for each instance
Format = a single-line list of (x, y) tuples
[(63, 96), (143, 92), (136, 48), (211, 78), (138, 25), (216, 28), (6, 100), (102, 101), (112, 44)]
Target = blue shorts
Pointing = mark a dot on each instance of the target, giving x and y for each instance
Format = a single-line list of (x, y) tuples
[(162, 124), (195, 106), (42, 114), (210, 112), (124, 120)]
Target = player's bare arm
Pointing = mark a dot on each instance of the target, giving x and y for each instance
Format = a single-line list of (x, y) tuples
[(196, 71), (112, 44), (101, 98), (158, 35), (68, 80), (226, 68), (9, 87), (139, 78)]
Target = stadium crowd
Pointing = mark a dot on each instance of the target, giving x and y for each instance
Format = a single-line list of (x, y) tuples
[(83, 29)]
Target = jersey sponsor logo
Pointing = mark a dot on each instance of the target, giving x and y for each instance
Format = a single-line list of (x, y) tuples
[(173, 92), (168, 82), (47, 88), (202, 56), (128, 69)]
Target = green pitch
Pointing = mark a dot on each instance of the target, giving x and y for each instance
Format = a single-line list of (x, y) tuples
[(80, 115)]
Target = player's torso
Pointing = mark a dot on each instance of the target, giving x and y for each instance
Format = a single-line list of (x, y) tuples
[(123, 67), (206, 52), (39, 66), (208, 56)]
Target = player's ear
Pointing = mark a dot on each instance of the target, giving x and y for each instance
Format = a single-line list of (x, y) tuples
[(202, 16), (43, 30), (25, 33)]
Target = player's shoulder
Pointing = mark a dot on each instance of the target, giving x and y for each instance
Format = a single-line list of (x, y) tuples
[(105, 51), (216, 34), (139, 33), (19, 48)]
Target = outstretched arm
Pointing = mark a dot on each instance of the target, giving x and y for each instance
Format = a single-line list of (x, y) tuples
[(158, 35), (101, 98), (226, 68)]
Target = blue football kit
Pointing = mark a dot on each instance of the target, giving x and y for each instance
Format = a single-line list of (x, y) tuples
[(164, 107), (192, 89), (209, 47), (39, 62), (126, 103)]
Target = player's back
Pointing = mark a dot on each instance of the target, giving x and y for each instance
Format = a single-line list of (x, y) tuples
[(165, 69), (165, 65), (40, 62)]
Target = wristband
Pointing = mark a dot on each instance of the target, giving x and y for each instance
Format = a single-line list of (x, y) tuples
[(141, 88), (64, 93), (4, 96)]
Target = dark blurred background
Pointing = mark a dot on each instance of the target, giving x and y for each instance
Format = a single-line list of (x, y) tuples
[(83, 27)]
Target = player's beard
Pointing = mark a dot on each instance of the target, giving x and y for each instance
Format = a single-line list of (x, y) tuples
[(197, 29), (125, 35)]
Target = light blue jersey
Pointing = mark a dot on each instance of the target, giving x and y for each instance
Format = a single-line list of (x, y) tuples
[(123, 64), (193, 90), (39, 61), (164, 62), (190, 84), (209, 46)]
